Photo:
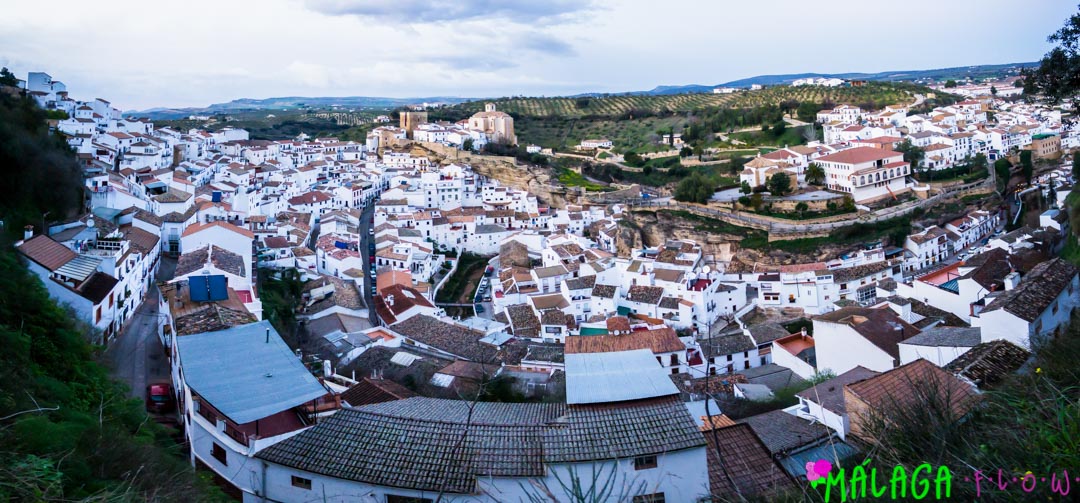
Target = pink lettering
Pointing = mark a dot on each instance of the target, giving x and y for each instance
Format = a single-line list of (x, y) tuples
[(1024, 482), (1056, 485)]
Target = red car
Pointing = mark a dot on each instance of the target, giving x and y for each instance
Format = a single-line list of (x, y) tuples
[(159, 398)]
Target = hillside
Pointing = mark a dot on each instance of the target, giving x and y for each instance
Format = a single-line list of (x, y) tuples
[(624, 106), (68, 432), (960, 72), (292, 103)]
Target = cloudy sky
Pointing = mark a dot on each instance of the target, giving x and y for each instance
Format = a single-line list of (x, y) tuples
[(139, 55)]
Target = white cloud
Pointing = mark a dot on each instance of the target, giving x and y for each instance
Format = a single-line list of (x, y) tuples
[(205, 51)]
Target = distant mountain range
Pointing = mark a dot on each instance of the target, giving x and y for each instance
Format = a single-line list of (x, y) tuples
[(978, 71), (292, 102)]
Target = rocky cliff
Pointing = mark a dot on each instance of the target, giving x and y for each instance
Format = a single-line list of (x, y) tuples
[(647, 229), (537, 180)]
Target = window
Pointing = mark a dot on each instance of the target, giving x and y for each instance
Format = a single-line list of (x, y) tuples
[(393, 498), (674, 360), (674, 371), (729, 358), (746, 354), (649, 498), (644, 462), (301, 482), (218, 452)]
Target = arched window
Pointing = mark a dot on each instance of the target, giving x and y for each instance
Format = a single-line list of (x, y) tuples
[(862, 180)]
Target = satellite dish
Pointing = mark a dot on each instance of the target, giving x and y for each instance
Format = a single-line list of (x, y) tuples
[(707, 269), (90, 223)]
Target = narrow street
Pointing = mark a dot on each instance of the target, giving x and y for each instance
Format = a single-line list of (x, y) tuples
[(136, 356)]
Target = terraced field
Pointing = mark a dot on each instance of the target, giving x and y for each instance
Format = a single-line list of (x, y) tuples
[(623, 106)]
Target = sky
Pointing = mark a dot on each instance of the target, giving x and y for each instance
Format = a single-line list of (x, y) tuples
[(140, 54)]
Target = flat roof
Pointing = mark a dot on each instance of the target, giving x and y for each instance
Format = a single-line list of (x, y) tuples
[(245, 374), (615, 377)]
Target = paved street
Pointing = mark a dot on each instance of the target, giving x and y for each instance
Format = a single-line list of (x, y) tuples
[(136, 356)]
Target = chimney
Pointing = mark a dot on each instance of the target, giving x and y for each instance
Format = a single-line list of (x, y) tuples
[(28, 232), (268, 335), (1011, 280), (390, 300), (326, 369), (803, 331)]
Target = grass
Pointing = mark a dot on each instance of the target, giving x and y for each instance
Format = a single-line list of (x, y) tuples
[(575, 179), (460, 287), (1029, 421)]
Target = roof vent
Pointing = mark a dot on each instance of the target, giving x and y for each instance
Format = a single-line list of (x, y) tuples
[(268, 374)]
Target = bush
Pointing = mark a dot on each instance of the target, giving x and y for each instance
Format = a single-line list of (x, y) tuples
[(744, 200)]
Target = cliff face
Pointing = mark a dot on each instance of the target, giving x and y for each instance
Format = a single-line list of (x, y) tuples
[(646, 229), (537, 180)]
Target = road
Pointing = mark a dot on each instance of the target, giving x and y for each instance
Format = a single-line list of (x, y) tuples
[(136, 356), (365, 238)]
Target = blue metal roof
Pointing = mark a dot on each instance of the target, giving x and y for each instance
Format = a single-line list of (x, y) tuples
[(953, 285), (615, 377), (245, 373)]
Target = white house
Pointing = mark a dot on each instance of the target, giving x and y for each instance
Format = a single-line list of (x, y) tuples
[(1039, 306), (866, 173), (860, 336)]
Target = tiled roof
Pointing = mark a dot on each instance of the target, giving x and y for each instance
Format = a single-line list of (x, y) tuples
[(369, 391), (142, 241), (46, 252), (764, 333), (881, 326), (195, 228), (523, 319), (989, 362), (727, 345), (830, 394), (990, 268), (1036, 291), (663, 340), (221, 258), (453, 339), (582, 282), (910, 385), (962, 337), (545, 353), (781, 432), (743, 459), (97, 286), (859, 155), (420, 443), (603, 291), (645, 294)]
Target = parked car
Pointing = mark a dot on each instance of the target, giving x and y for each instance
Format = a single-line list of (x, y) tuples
[(159, 398), (479, 309), (487, 298)]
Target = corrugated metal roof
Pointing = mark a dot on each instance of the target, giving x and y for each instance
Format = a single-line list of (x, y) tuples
[(615, 376), (242, 375), (79, 268)]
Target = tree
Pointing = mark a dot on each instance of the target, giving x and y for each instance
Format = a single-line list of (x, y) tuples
[(950, 84), (1002, 171), (815, 175), (1076, 166), (633, 159), (695, 188), (745, 188), (756, 201), (913, 154), (7, 78), (686, 152), (1057, 77), (744, 200), (848, 204), (1051, 196), (699, 150), (467, 144), (1026, 165), (979, 163), (801, 208), (779, 184), (778, 128), (993, 91)]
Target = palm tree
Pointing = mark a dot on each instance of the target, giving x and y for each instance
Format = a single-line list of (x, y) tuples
[(815, 175)]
